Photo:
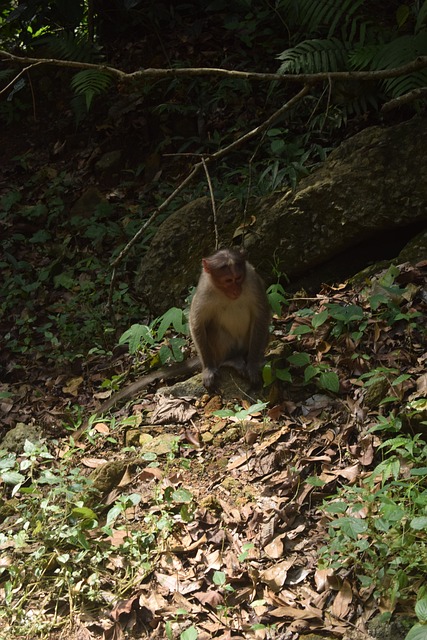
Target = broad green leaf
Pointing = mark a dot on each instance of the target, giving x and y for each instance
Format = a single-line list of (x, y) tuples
[(419, 523), (283, 374), (182, 495), (310, 372), (352, 527), (189, 634), (330, 381), (319, 319), (84, 513), (345, 314), (298, 359), (336, 507), (421, 609), (301, 330), (418, 632), (219, 578), (12, 477)]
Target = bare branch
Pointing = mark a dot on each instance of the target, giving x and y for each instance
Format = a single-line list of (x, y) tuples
[(306, 78), (415, 94)]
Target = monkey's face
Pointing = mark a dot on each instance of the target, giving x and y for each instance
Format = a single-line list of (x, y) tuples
[(227, 271), (230, 280)]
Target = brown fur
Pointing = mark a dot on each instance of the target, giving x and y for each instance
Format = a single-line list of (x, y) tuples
[(225, 328)]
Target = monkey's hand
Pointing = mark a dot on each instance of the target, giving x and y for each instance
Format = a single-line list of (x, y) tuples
[(209, 378)]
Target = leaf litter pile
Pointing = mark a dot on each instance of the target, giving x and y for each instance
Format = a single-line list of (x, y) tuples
[(173, 518)]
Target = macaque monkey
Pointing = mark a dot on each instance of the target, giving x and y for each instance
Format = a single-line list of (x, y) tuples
[(229, 317)]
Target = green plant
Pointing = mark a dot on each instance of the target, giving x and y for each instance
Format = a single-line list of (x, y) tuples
[(52, 510), (145, 337), (386, 297), (378, 530), (345, 36), (277, 298), (317, 372), (239, 414), (419, 630)]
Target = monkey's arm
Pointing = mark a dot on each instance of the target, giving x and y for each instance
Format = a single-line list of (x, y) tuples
[(258, 341), (165, 373), (205, 340)]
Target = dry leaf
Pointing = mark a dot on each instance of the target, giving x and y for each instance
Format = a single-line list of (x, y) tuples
[(171, 410), (341, 605), (72, 386), (275, 576)]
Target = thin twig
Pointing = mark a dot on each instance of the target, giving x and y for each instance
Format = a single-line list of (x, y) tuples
[(208, 178), (146, 224), (197, 167), (18, 75)]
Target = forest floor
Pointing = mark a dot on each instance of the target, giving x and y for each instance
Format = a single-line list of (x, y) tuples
[(194, 517), (205, 524)]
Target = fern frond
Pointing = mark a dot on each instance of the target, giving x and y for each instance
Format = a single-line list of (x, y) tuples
[(396, 87), (398, 52), (421, 23), (314, 56), (322, 16), (69, 47), (362, 57), (90, 82)]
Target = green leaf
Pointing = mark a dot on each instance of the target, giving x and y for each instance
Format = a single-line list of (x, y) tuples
[(330, 381), (12, 477), (299, 359), (64, 280), (403, 12), (40, 236), (224, 413), (301, 330), (113, 514), (137, 335), (283, 374), (182, 495), (310, 372), (418, 632), (345, 314), (219, 578), (84, 513), (421, 609), (352, 527), (419, 523), (189, 634), (315, 481), (401, 378), (336, 507), (420, 471), (173, 317), (319, 318), (267, 374)]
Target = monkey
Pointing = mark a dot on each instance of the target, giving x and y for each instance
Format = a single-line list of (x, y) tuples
[(229, 324), (229, 317)]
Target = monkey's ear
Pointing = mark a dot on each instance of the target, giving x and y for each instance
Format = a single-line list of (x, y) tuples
[(205, 263)]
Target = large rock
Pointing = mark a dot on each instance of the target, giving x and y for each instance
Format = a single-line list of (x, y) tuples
[(372, 183)]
